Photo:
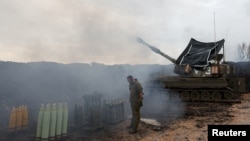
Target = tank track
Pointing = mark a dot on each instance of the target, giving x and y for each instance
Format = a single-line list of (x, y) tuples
[(199, 95)]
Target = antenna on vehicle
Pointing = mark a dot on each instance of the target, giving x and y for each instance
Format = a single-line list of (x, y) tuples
[(215, 42), (214, 29)]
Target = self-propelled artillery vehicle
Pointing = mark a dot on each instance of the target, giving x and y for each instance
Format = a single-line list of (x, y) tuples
[(201, 75)]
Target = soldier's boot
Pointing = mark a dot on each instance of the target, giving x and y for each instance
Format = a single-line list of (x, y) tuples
[(133, 128), (129, 127), (132, 131)]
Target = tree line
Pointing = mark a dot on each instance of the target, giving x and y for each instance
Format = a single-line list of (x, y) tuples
[(243, 52)]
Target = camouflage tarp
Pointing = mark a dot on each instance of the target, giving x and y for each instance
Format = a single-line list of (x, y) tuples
[(198, 54)]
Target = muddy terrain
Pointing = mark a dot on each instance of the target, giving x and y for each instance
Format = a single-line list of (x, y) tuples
[(190, 127)]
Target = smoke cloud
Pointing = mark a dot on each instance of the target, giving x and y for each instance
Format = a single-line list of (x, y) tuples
[(106, 31)]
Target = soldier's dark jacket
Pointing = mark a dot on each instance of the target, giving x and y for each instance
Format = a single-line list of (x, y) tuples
[(135, 89)]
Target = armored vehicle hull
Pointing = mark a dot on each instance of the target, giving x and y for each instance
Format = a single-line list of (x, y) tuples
[(211, 89)]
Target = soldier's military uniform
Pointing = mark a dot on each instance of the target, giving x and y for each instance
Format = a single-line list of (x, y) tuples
[(136, 103)]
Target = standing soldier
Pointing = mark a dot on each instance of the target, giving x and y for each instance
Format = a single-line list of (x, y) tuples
[(135, 102)]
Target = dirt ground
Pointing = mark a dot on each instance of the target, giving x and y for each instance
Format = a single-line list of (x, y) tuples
[(191, 127)]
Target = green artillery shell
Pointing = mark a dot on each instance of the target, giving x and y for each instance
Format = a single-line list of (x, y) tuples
[(65, 119), (59, 120), (46, 122), (40, 121), (52, 131)]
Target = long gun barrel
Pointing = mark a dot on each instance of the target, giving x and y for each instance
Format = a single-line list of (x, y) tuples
[(156, 50)]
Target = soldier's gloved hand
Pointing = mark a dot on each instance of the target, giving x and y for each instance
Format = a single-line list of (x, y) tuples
[(141, 96)]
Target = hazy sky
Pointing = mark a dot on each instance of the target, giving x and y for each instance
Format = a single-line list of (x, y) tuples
[(105, 31)]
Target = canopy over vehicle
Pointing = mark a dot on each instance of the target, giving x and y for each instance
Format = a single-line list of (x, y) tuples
[(198, 54)]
